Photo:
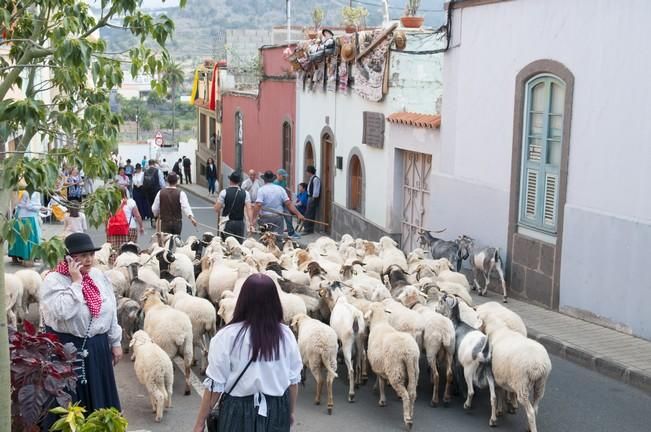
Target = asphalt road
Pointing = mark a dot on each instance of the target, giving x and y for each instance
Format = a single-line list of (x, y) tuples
[(576, 399)]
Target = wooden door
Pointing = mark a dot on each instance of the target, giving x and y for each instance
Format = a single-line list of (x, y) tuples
[(415, 185)]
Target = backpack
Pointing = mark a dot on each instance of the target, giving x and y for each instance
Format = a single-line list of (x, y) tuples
[(150, 180), (118, 223)]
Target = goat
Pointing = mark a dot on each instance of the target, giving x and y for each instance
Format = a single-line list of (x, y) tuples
[(455, 251)]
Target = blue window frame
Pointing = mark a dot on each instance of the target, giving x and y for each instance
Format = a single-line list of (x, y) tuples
[(541, 153)]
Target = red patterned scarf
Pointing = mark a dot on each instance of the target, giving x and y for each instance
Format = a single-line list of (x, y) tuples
[(88, 288)]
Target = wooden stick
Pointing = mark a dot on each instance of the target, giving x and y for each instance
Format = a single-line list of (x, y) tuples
[(376, 42), (287, 214)]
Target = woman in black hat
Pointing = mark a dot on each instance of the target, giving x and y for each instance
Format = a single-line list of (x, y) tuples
[(78, 305)]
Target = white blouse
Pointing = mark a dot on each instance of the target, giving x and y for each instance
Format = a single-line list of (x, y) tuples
[(272, 378), (138, 178), (65, 310)]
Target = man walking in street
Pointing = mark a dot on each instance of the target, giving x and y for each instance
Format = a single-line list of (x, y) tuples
[(186, 170), (282, 181), (270, 204), (252, 184), (152, 182), (313, 195), (165, 167), (177, 169), (234, 203), (170, 205)]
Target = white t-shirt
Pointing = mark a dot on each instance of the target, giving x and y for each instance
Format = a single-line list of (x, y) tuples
[(74, 224), (138, 178), (272, 197), (128, 211), (226, 360)]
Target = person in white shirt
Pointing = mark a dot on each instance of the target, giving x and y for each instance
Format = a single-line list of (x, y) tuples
[(259, 349), (74, 222), (171, 204), (252, 184), (165, 167)]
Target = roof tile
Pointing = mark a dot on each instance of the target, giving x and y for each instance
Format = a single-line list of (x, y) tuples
[(431, 121)]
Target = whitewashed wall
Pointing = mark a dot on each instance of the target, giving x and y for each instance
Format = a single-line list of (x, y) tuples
[(608, 209)]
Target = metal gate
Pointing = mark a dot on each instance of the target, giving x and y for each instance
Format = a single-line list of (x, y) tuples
[(415, 187)]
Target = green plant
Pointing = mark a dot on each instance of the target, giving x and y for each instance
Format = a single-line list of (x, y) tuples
[(317, 17), (102, 420), (354, 16), (411, 7), (41, 372)]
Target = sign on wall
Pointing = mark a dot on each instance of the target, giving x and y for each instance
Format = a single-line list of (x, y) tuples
[(373, 134)]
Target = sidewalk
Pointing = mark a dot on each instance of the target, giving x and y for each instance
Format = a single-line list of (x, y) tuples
[(609, 352)]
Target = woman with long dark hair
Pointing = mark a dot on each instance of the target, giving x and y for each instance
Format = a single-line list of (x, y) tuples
[(262, 352)]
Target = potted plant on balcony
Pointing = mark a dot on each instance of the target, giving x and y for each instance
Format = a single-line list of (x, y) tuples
[(317, 18), (410, 19), (353, 17)]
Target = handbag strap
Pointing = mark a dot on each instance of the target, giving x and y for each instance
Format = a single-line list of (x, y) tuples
[(234, 384)]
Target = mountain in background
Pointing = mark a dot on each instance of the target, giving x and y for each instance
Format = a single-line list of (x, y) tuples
[(201, 25)]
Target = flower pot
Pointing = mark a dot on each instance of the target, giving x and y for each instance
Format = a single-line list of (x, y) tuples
[(350, 29), (412, 21)]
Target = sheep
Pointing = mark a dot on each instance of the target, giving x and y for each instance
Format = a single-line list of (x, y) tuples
[(472, 355), (227, 306), (317, 344), (119, 281), (154, 370), (394, 357), (520, 366), (103, 255), (396, 280), (130, 319), (455, 289), (222, 278), (438, 340), (184, 268), (391, 255), (405, 320), (310, 297), (202, 315), (291, 303), (485, 261), (171, 329), (202, 281), (32, 282), (493, 310), (348, 323), (13, 297)]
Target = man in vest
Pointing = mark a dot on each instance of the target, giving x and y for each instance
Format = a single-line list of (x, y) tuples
[(313, 197), (170, 205), (235, 203)]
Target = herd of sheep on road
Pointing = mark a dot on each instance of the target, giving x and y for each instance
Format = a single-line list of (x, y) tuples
[(364, 302)]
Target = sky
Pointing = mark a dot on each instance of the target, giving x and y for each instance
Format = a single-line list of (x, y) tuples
[(159, 3)]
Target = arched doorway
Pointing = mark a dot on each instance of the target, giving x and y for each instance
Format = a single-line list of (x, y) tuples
[(239, 141), (355, 185), (308, 158), (327, 179), (287, 151)]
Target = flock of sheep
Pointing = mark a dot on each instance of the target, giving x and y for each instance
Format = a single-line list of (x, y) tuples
[(366, 302)]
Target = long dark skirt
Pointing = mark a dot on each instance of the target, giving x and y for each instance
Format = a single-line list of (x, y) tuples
[(141, 201), (239, 414), (100, 391)]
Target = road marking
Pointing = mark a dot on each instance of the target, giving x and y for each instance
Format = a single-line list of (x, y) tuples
[(194, 381)]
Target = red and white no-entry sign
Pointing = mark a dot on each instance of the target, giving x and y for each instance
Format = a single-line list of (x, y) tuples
[(158, 139)]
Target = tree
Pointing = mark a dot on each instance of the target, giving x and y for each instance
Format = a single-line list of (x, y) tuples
[(53, 45), (174, 76)]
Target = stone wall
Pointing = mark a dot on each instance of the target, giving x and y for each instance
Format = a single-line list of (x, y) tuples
[(532, 270), (345, 221)]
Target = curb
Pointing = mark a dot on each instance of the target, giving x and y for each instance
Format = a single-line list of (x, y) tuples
[(195, 193), (603, 365)]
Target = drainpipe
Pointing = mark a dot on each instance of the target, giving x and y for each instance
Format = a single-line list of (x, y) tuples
[(289, 21)]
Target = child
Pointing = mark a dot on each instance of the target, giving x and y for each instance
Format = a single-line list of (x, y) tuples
[(73, 222), (301, 198)]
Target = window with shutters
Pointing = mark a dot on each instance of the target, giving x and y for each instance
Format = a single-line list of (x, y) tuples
[(541, 156)]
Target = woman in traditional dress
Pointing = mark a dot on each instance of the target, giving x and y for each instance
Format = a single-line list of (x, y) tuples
[(253, 364), (78, 305), (27, 214)]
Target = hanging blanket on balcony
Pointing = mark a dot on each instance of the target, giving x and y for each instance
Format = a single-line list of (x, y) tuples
[(370, 72)]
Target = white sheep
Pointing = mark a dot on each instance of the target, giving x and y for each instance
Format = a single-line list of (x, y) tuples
[(317, 344), (154, 370), (453, 288), (202, 315), (391, 255), (32, 282), (405, 320), (13, 297), (227, 306), (520, 366), (494, 310), (183, 267), (350, 327), (484, 262), (222, 278), (103, 255), (438, 340), (119, 282), (171, 329), (291, 303), (393, 356)]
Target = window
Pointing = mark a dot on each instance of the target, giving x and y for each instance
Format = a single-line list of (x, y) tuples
[(541, 153), (355, 185), (239, 140), (203, 133)]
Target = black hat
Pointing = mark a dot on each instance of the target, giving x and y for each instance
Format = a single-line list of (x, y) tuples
[(235, 177), (79, 243), (268, 176), (327, 33)]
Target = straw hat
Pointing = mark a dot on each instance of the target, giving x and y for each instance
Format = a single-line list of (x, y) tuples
[(347, 52), (400, 39)]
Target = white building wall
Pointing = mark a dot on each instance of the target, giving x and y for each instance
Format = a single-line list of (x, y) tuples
[(607, 225), (414, 85)]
